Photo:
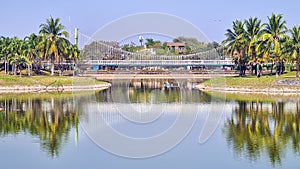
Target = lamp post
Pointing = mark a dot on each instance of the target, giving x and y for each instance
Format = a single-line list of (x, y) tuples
[(141, 39)]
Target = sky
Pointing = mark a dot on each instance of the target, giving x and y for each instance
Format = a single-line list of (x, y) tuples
[(212, 17)]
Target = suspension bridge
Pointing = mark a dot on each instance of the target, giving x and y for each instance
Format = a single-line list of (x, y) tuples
[(109, 54)]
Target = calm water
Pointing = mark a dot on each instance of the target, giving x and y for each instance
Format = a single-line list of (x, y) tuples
[(65, 130)]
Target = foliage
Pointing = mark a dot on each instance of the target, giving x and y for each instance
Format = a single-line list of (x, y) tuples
[(274, 33), (254, 130), (292, 46), (50, 45), (161, 48)]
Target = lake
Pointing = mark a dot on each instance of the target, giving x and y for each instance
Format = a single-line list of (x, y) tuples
[(148, 124)]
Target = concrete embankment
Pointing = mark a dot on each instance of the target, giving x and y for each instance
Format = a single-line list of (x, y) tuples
[(267, 90)]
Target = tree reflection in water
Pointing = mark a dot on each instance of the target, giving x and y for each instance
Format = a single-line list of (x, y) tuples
[(50, 119), (257, 128)]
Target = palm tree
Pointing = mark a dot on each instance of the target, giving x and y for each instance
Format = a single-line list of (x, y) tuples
[(30, 50), (236, 41), (4, 50), (74, 53), (20, 61), (292, 46), (273, 33), (14, 50), (253, 32), (54, 33)]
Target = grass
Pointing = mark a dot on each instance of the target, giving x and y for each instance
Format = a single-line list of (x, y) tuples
[(47, 95), (9, 80), (265, 81)]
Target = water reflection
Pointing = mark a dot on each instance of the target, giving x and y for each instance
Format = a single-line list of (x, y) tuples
[(259, 128), (152, 91), (49, 119), (253, 130)]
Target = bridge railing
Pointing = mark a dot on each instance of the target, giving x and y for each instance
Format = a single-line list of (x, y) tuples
[(159, 62)]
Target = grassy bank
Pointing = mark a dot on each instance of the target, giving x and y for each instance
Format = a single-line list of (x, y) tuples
[(252, 82), (8, 80)]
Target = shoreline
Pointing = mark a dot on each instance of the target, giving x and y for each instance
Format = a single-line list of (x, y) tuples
[(42, 89)]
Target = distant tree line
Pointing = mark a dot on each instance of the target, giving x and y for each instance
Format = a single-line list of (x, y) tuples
[(192, 45)]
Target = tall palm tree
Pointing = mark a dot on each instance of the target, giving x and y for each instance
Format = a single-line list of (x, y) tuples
[(253, 32), (292, 46), (236, 42), (54, 33), (273, 33)]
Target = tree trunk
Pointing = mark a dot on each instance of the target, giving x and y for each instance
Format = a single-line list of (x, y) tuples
[(52, 69), (29, 70), (240, 68), (271, 69), (20, 71), (239, 63), (5, 65), (253, 55), (297, 66), (15, 69)]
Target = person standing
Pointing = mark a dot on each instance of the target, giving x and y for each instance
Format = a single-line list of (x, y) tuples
[(282, 66), (258, 69), (254, 68), (278, 67)]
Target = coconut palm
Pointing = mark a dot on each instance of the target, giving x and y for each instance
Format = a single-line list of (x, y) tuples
[(236, 41), (292, 46), (253, 32), (20, 62), (53, 32), (14, 50), (73, 53), (273, 33), (30, 50)]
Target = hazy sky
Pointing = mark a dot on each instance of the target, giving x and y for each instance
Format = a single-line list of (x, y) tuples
[(213, 17)]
